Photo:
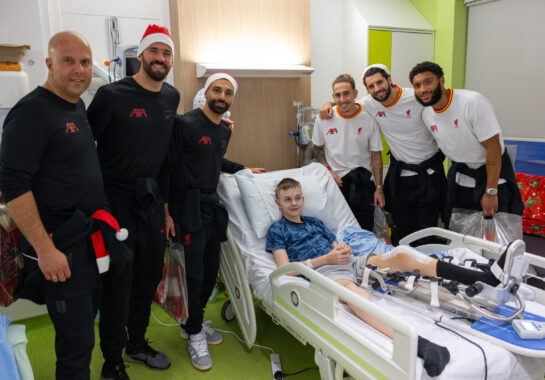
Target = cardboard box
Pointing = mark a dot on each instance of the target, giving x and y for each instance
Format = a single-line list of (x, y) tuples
[(12, 53)]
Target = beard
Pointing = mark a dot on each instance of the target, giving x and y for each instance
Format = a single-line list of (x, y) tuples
[(155, 75), (434, 99), (388, 92), (218, 106)]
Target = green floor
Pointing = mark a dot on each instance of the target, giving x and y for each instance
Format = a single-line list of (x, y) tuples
[(231, 359)]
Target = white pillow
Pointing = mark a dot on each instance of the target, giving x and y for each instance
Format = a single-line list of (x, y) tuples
[(257, 194)]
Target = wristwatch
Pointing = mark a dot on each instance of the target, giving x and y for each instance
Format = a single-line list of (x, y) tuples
[(492, 191)]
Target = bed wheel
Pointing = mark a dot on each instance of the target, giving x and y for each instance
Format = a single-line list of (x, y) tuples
[(227, 311)]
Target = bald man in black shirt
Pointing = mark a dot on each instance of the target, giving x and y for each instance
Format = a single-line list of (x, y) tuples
[(49, 172)]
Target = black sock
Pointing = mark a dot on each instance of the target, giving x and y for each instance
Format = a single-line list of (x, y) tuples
[(435, 357), (468, 276)]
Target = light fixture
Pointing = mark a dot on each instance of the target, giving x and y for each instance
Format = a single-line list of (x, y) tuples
[(254, 70)]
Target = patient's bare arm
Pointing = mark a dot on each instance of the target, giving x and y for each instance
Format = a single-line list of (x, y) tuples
[(338, 255)]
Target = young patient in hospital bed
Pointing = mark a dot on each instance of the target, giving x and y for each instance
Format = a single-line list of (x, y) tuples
[(305, 239)]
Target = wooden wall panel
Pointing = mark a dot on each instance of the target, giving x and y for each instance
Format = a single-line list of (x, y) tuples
[(247, 31)]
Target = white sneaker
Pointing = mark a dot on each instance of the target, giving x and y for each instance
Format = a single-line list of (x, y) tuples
[(198, 350), (212, 336)]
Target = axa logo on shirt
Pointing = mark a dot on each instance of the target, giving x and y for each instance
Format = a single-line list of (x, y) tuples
[(408, 112), (433, 128), (168, 114), (381, 114), (71, 128), (456, 123), (205, 140), (359, 130), (138, 112), (332, 131)]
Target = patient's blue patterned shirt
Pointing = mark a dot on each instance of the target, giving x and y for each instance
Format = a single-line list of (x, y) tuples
[(302, 241)]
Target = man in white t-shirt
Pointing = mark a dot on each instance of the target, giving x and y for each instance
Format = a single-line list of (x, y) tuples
[(466, 129), (349, 145), (415, 184)]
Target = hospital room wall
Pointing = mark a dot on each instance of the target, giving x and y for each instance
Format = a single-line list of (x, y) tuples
[(22, 23), (449, 18), (505, 57), (247, 31), (338, 40)]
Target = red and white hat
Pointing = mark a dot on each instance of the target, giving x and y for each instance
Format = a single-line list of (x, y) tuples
[(101, 252), (155, 33), (214, 77)]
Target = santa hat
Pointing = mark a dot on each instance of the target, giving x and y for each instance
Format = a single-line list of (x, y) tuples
[(378, 66), (101, 253), (155, 33), (214, 77)]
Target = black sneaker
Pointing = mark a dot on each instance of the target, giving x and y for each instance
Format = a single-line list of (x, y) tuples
[(143, 353), (116, 372)]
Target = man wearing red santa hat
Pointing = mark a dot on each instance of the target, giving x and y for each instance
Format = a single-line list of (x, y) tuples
[(132, 120)]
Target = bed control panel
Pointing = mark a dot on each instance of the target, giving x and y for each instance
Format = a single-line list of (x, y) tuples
[(529, 329)]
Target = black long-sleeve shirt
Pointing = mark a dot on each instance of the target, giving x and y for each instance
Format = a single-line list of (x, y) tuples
[(196, 153), (132, 127), (48, 148)]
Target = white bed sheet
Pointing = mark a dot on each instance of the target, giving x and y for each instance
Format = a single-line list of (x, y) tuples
[(466, 362)]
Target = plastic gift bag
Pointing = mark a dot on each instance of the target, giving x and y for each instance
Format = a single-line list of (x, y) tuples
[(502, 228), (11, 258), (380, 227), (171, 293)]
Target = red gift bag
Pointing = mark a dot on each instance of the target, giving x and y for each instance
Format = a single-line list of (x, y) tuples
[(532, 190), (171, 293), (11, 258)]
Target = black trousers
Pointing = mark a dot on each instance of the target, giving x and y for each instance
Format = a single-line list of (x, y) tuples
[(202, 250), (411, 209), (364, 208), (126, 299), (73, 320)]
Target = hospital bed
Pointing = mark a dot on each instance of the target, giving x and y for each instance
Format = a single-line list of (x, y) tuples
[(311, 311)]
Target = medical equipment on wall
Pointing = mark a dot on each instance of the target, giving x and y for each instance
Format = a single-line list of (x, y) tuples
[(306, 117), (125, 64)]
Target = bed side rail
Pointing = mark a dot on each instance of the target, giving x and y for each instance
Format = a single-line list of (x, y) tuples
[(314, 310), (233, 273)]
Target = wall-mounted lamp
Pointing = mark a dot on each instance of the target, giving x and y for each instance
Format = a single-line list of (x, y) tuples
[(254, 70)]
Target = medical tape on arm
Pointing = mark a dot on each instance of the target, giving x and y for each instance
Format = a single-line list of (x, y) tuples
[(418, 256)]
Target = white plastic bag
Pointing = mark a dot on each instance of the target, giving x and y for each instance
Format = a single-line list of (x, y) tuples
[(502, 228), (380, 227)]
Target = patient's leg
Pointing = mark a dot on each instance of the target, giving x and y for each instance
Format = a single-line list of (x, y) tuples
[(405, 262), (368, 318), (435, 357)]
